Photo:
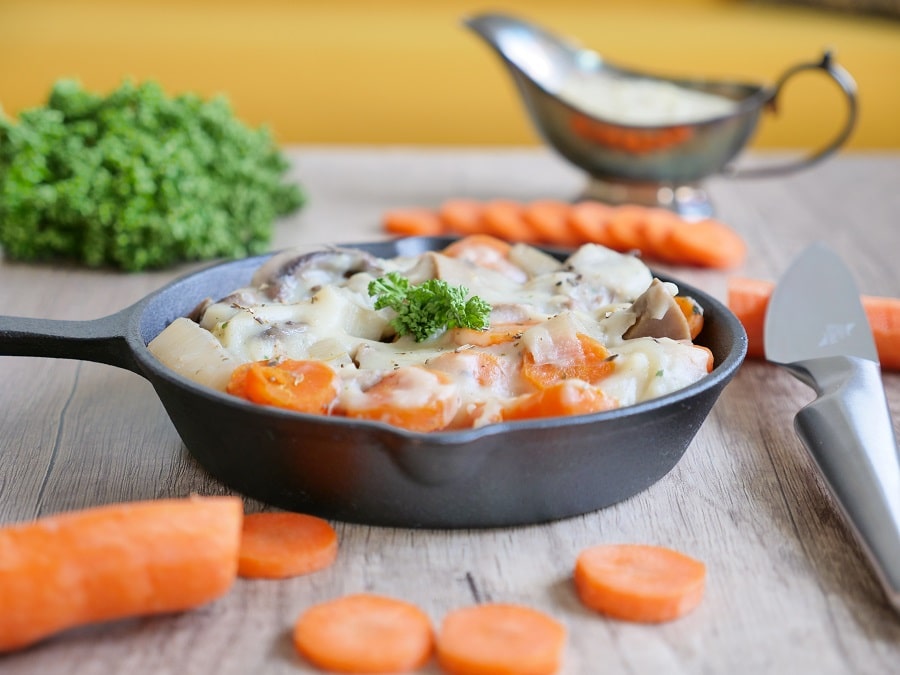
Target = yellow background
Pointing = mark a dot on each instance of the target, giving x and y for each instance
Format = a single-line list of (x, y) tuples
[(408, 72)]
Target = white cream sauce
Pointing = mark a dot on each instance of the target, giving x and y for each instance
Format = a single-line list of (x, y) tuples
[(319, 308), (642, 102)]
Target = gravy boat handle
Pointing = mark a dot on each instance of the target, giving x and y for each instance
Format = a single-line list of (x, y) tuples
[(847, 84)]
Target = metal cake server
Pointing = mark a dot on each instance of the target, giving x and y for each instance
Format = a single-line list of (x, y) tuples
[(817, 329)]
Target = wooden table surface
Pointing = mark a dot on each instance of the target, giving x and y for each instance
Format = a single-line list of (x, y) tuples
[(789, 591)]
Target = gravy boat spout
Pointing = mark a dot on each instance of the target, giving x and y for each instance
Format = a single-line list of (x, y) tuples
[(642, 138)]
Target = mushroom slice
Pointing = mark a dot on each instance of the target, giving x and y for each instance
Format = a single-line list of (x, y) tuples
[(658, 315), (291, 276)]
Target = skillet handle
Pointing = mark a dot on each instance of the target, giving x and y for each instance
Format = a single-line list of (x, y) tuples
[(848, 86), (100, 340)]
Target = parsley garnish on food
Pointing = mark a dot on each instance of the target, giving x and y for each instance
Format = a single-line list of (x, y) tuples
[(429, 307), (136, 179)]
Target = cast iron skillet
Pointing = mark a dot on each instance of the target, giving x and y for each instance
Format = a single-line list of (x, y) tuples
[(368, 472)]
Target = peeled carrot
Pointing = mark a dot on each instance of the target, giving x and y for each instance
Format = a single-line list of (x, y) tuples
[(642, 583), (413, 222), (549, 219), (277, 545), (500, 638), (462, 216), (113, 562), (706, 243), (364, 633), (304, 386), (749, 299)]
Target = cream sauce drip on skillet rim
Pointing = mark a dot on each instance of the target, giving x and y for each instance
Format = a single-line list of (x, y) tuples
[(592, 332)]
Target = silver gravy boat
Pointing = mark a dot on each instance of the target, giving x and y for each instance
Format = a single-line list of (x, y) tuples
[(659, 165)]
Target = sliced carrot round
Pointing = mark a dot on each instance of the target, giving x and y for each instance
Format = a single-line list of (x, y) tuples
[(622, 227), (412, 398), (588, 220), (462, 216), (549, 219), (706, 243), (281, 545), (303, 386), (641, 583), (500, 638), (693, 312), (364, 633), (505, 219), (653, 233), (413, 222), (589, 362), (566, 397)]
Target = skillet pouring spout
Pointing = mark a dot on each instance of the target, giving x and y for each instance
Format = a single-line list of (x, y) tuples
[(511, 473)]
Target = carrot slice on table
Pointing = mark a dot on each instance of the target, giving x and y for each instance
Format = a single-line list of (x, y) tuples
[(505, 220), (623, 227), (566, 397), (549, 219), (749, 299), (113, 562), (706, 243), (589, 361), (410, 397), (500, 638), (413, 222), (462, 216), (364, 633), (304, 386), (281, 545), (639, 582), (653, 233), (588, 220)]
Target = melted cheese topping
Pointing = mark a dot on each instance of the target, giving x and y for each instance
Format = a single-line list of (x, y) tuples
[(317, 306)]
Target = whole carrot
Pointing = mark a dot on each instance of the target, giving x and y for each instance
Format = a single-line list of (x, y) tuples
[(113, 562)]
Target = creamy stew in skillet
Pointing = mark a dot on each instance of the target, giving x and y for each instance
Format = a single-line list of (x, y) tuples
[(530, 336)]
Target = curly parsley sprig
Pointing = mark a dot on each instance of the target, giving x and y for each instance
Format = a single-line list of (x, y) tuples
[(430, 307)]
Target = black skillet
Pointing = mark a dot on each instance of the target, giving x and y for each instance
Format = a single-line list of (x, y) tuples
[(367, 472)]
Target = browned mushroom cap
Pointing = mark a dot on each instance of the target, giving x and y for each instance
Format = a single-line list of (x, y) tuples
[(658, 315)]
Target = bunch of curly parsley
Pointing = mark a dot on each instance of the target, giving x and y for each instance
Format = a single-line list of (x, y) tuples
[(137, 180)]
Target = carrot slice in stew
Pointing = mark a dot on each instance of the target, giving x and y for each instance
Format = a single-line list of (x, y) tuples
[(693, 312), (364, 633), (495, 638), (411, 397), (304, 386), (278, 545), (566, 397), (641, 583), (589, 360)]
